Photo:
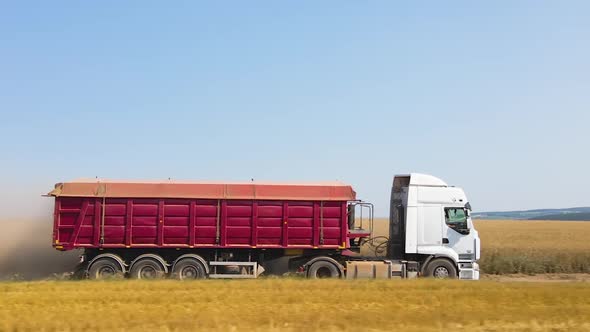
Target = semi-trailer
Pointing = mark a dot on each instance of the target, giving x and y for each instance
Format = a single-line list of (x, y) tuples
[(192, 230)]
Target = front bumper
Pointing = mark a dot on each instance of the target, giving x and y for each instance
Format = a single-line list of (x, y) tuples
[(468, 271)]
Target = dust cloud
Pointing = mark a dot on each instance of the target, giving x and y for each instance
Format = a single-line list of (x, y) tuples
[(26, 252)]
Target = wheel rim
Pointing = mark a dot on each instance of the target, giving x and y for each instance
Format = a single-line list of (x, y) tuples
[(323, 272), (189, 272), (148, 272), (441, 272), (106, 271)]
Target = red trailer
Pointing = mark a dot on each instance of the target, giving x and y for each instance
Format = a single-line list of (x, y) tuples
[(197, 229)]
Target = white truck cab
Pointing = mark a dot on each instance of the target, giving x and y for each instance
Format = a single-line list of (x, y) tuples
[(430, 223)]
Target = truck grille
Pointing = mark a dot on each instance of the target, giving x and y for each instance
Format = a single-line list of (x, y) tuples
[(466, 257)]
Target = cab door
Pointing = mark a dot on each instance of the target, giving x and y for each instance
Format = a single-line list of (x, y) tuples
[(457, 233)]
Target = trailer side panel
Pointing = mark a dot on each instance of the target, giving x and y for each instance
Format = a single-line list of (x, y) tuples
[(85, 222)]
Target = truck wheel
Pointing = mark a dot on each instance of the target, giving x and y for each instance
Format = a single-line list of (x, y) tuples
[(323, 269), (441, 268), (188, 269), (147, 268), (105, 268), (80, 272)]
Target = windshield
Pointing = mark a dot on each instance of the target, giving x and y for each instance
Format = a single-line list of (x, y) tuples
[(456, 218)]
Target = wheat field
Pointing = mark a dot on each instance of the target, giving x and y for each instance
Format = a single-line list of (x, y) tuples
[(533, 247), (293, 305), (543, 235)]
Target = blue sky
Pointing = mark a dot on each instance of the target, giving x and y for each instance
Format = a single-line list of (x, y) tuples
[(493, 97)]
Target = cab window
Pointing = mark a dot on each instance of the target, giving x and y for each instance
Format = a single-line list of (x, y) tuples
[(456, 218)]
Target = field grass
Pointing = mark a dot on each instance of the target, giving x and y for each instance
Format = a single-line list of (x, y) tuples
[(293, 305), (529, 247), (534, 246)]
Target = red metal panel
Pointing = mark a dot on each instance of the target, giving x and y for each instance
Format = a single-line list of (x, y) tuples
[(84, 237), (322, 225), (191, 226), (74, 239), (144, 226), (206, 222), (254, 229), (223, 223), (128, 219), (238, 223), (56, 216), (344, 225), (160, 234), (151, 223), (285, 237), (300, 223), (97, 219), (316, 224), (176, 223)]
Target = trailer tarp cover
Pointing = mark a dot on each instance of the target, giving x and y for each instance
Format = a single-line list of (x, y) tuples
[(321, 191)]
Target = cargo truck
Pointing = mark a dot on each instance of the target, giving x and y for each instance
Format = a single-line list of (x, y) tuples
[(192, 230)]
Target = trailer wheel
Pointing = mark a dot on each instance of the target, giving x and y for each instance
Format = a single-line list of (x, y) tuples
[(105, 268), (188, 269), (323, 269), (147, 268), (441, 268), (80, 272)]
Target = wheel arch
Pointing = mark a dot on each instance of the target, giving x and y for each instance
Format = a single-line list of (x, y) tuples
[(326, 259), (195, 256), (114, 257), (430, 258), (153, 256)]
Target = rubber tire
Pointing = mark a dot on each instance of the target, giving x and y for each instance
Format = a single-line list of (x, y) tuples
[(80, 272), (441, 262), (186, 262), (97, 265), (323, 266), (135, 272)]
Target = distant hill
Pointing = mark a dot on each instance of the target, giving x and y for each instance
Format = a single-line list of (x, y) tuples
[(566, 216), (577, 213)]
